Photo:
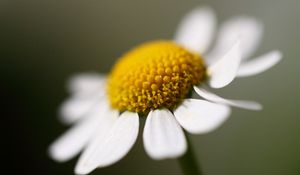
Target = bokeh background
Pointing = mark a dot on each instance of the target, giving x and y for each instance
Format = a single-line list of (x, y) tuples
[(45, 42)]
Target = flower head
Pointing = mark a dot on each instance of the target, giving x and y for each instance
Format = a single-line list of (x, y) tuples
[(155, 80), (155, 75)]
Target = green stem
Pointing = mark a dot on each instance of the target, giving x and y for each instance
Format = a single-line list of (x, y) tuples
[(188, 162)]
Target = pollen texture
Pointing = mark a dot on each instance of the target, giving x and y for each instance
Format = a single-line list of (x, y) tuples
[(154, 75)]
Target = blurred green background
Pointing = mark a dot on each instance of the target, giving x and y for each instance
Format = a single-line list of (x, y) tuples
[(45, 42)]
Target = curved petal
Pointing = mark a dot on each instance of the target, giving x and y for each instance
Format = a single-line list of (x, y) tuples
[(110, 146), (196, 30), (76, 107), (163, 137), (74, 140), (200, 116), (251, 105), (87, 84), (224, 70), (248, 29), (259, 64)]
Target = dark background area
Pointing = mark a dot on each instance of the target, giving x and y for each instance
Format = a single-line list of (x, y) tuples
[(45, 42)]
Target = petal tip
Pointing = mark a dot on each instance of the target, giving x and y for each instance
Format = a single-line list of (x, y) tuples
[(259, 64), (202, 120), (224, 71), (56, 154), (82, 170), (278, 54), (163, 137), (257, 107), (196, 29)]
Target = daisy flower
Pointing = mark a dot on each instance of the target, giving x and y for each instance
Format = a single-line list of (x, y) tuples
[(155, 81)]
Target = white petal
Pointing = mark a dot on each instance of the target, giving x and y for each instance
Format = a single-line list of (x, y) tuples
[(196, 30), (87, 84), (224, 70), (248, 29), (251, 105), (163, 137), (77, 107), (111, 146), (73, 141), (200, 116), (260, 64)]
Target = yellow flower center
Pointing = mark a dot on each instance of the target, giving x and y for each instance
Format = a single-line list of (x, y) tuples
[(154, 75)]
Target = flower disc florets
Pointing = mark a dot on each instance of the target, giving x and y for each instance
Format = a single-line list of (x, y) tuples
[(154, 75)]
